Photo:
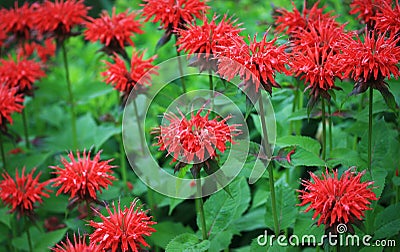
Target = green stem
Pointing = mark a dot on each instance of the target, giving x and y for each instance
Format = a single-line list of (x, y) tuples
[(371, 97), (25, 122), (323, 129), (71, 97), (122, 161), (3, 154), (268, 153), (200, 207), (330, 126), (210, 80), (28, 234), (141, 132), (180, 68)]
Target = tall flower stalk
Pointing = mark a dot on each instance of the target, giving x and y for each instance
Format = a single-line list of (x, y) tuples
[(70, 97), (323, 120)]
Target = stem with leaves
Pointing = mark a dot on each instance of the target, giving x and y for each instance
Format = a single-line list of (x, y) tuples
[(71, 97), (371, 99), (210, 80), (180, 67), (268, 152), (140, 128), (25, 123), (200, 206), (330, 126), (3, 154), (323, 129)]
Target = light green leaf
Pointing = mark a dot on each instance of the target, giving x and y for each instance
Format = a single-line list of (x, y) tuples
[(187, 243), (166, 231)]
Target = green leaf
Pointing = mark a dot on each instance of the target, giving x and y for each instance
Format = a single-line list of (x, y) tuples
[(251, 220), (302, 157), (387, 222), (285, 207), (346, 157), (166, 231), (186, 243), (221, 210), (307, 143), (5, 216), (55, 204), (48, 240)]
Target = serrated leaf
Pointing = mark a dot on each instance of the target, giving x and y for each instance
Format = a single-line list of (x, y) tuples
[(387, 222), (305, 142), (5, 216), (47, 240), (167, 231), (221, 210), (251, 220), (346, 157), (187, 243)]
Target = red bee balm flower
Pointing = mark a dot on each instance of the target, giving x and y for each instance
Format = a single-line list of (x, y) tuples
[(10, 102), (293, 21), (18, 21), (173, 14), (22, 192), (256, 62), (370, 61), (388, 18), (367, 9), (209, 37), (123, 230), (123, 80), (115, 31), (83, 177), (195, 139), (60, 17), (79, 245), (20, 74), (337, 200)]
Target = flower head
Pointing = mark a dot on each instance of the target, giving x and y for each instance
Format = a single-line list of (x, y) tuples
[(209, 37), (293, 21), (256, 62), (197, 139), (60, 17), (10, 102), (123, 230), (78, 245), (366, 9), (173, 14), (370, 61), (21, 73), (22, 192), (388, 18), (18, 21), (337, 200), (125, 80), (43, 51), (113, 31), (82, 177)]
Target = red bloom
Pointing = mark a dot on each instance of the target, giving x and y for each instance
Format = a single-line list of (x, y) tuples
[(293, 21), (123, 80), (337, 200), (368, 62), (60, 17), (173, 14), (388, 18), (123, 230), (209, 37), (22, 192), (79, 245), (18, 21), (256, 62), (195, 139), (10, 102), (82, 177), (114, 31), (44, 52), (20, 74), (367, 9)]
